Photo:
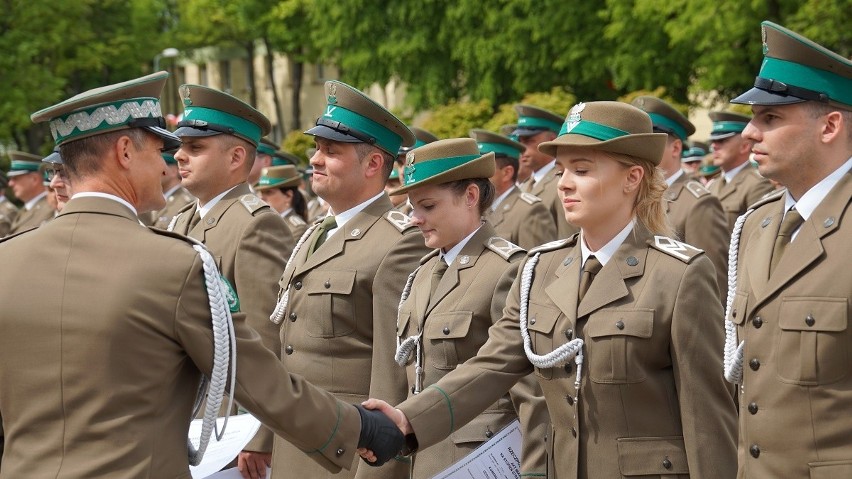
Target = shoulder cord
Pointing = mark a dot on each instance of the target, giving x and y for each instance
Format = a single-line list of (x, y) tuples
[(173, 222), (224, 359), (570, 350), (405, 348), (284, 293), (733, 368)]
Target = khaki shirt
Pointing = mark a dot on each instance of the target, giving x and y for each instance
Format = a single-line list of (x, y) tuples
[(36, 216), (522, 219), (547, 189), (745, 189), (8, 213)]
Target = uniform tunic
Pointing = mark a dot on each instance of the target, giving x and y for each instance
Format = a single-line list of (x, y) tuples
[(547, 189), (175, 202), (746, 188), (40, 213), (8, 213), (523, 219)]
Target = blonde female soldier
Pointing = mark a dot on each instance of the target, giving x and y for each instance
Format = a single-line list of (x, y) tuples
[(619, 324), (457, 293)]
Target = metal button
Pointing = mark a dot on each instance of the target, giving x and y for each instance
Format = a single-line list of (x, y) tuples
[(568, 369), (210, 221), (667, 464), (488, 433), (567, 261), (619, 324), (340, 451), (632, 261), (464, 259), (288, 349), (532, 320), (757, 322), (355, 232), (573, 432), (754, 450), (292, 316), (754, 364), (570, 399), (752, 408), (446, 330), (766, 222), (810, 320), (828, 222), (569, 333), (327, 284), (297, 285), (734, 313)]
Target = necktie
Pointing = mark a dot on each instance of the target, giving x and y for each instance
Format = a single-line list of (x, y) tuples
[(590, 269), (196, 217), (792, 221), (437, 273), (328, 224)]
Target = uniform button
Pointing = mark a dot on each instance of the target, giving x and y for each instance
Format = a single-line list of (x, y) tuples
[(412, 389), (532, 321), (488, 433), (327, 284), (292, 316), (752, 408), (570, 399), (339, 451), (619, 324), (754, 450), (298, 285), (569, 333), (667, 464), (754, 364), (568, 369), (573, 432), (810, 320), (446, 330), (288, 349), (757, 322), (734, 313)]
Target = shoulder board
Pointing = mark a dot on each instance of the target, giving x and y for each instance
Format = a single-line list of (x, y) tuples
[(675, 248), (19, 233), (252, 203), (530, 198), (429, 256), (503, 247), (554, 245), (172, 234), (769, 198), (296, 220), (399, 220), (697, 189)]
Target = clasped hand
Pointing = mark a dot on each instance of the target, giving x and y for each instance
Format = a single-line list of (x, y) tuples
[(378, 443)]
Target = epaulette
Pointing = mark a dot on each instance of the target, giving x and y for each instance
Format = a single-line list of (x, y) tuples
[(429, 256), (697, 189), (529, 198), (554, 245), (768, 198), (19, 233), (296, 220), (399, 220), (172, 234), (503, 247), (185, 208), (252, 203), (675, 248)]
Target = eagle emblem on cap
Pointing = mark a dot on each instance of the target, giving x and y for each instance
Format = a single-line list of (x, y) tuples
[(184, 92), (573, 119), (763, 39), (332, 93), (409, 158)]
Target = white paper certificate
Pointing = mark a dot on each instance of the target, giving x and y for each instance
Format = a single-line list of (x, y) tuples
[(241, 429), (499, 458)]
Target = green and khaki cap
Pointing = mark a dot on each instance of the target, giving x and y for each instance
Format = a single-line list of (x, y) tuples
[(490, 142), (281, 158), (352, 117), (23, 163), (278, 177), (209, 112), (666, 118), (696, 151), (421, 137), (444, 161), (533, 120), (131, 104), (796, 69), (727, 124), (609, 126), (169, 158), (266, 147)]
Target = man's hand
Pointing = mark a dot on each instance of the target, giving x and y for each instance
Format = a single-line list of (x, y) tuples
[(252, 465), (380, 439)]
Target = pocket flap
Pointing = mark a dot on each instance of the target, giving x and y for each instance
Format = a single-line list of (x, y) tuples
[(614, 322), (330, 282), (813, 314), (452, 325), (402, 323), (738, 309), (542, 319), (646, 456), (830, 469)]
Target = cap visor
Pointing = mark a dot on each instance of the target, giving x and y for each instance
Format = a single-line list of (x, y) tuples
[(14, 173), (170, 140), (528, 131), (722, 136), (190, 131), (323, 131), (756, 96), (52, 158)]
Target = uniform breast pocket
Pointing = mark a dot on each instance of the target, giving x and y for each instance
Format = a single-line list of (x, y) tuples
[(616, 340), (812, 346), (330, 308), (444, 332), (541, 321)]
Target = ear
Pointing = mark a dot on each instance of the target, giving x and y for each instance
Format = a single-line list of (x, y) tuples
[(677, 147), (635, 173), (471, 196), (832, 126), (124, 151), (374, 164), (238, 157)]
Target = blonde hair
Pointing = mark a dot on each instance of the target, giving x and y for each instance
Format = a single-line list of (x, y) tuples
[(649, 206)]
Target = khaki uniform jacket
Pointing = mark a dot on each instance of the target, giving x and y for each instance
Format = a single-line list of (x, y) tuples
[(251, 245), (652, 401), (296, 224), (39, 214), (797, 362), (175, 202), (698, 219), (8, 213), (746, 189), (547, 189), (339, 328), (454, 324), (316, 210), (522, 219), (103, 340)]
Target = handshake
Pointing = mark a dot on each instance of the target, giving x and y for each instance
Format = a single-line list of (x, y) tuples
[(383, 431)]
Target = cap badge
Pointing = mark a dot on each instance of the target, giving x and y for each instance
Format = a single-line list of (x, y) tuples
[(763, 40), (573, 119), (409, 159), (184, 92), (332, 94)]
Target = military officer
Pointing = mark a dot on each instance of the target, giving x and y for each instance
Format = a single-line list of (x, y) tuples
[(27, 184), (618, 323), (8, 210), (400, 202), (739, 185), (536, 126), (695, 214), (282, 158), (517, 216), (789, 336), (279, 188), (57, 179), (340, 292), (249, 239), (105, 328), (176, 195), (457, 293), (692, 156), (264, 158)]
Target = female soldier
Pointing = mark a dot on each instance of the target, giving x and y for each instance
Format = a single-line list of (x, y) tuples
[(279, 186), (619, 323), (457, 293)]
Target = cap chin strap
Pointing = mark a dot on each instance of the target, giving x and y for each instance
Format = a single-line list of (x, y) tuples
[(781, 88)]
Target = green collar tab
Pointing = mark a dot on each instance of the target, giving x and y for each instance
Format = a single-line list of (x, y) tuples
[(668, 123), (728, 127), (499, 148), (536, 122), (592, 129), (103, 117), (427, 169), (240, 126), (836, 87), (385, 138)]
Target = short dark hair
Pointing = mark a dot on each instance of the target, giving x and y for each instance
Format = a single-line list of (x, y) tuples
[(83, 157), (364, 149), (504, 161), (486, 190)]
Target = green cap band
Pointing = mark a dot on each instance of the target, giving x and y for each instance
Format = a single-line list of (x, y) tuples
[(240, 126), (536, 122), (23, 165), (837, 88), (427, 169), (170, 159), (668, 123), (693, 152), (267, 181), (499, 149), (728, 127), (385, 138), (265, 149), (594, 130), (103, 117), (418, 143), (709, 169)]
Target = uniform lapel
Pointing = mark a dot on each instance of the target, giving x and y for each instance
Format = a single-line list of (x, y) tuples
[(609, 285), (421, 301), (211, 219), (564, 288), (466, 259), (758, 253)]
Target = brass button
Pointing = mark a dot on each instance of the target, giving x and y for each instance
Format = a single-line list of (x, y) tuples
[(752, 408), (619, 324), (488, 433), (757, 322), (327, 284), (446, 330), (288, 349), (340, 451), (754, 450), (667, 464), (292, 316), (297, 285), (754, 364), (810, 320), (532, 320), (569, 333)]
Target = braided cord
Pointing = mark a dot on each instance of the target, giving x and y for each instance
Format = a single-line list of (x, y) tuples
[(173, 222), (733, 367), (224, 357), (284, 294), (404, 348)]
